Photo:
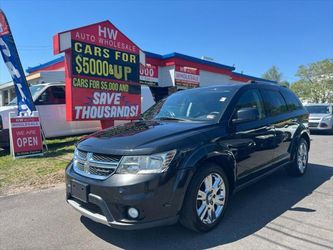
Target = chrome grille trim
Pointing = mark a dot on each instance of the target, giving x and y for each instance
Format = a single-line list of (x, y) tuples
[(86, 164), (313, 124), (105, 158), (82, 154)]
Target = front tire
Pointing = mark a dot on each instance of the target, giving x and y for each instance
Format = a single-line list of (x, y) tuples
[(300, 163), (206, 199)]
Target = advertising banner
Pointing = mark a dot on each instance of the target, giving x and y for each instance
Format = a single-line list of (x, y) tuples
[(149, 74), (25, 135), (187, 77), (10, 56), (102, 73)]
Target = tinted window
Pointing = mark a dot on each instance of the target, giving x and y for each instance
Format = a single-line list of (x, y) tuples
[(318, 109), (51, 96), (250, 99), (293, 102), (195, 104), (34, 90), (273, 102)]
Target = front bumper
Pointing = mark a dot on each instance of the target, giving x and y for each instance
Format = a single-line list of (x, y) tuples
[(158, 198), (320, 125)]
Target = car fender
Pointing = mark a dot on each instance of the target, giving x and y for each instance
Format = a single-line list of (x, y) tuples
[(216, 153)]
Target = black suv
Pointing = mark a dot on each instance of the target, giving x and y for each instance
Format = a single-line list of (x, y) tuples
[(187, 155)]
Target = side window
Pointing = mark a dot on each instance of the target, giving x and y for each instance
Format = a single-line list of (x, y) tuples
[(52, 96), (273, 102), (293, 102), (250, 99)]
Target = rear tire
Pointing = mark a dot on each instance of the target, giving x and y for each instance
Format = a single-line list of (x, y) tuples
[(206, 199), (300, 163)]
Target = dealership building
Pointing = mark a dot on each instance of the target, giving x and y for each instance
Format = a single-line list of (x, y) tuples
[(163, 73)]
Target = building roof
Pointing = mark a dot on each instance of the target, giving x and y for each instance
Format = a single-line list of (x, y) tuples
[(205, 65), (252, 77), (45, 65), (188, 58)]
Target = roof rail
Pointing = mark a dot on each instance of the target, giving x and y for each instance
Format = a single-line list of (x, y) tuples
[(264, 82)]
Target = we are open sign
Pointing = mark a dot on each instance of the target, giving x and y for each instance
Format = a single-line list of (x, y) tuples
[(25, 135)]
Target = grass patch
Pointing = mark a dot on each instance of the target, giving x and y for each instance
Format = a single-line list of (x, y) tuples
[(36, 172)]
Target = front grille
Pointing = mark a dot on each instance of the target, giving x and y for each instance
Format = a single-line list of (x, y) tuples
[(313, 124), (82, 154), (106, 158), (94, 165)]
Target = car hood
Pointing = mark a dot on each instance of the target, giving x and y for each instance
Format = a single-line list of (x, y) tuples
[(317, 115), (7, 109), (144, 137), (4, 113)]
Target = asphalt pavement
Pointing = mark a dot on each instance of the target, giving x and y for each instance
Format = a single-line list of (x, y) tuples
[(279, 212)]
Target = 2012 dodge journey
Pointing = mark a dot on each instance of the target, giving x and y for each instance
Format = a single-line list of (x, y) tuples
[(186, 155)]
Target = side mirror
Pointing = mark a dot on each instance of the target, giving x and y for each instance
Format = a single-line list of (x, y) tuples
[(246, 115)]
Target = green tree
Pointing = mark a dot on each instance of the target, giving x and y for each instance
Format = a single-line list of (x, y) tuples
[(274, 74), (285, 84), (315, 82)]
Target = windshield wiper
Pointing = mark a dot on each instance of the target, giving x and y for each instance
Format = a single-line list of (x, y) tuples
[(166, 118)]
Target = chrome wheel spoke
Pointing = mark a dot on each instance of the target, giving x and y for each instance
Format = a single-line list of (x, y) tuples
[(211, 214), (201, 196), (208, 182), (219, 200), (216, 184), (204, 211)]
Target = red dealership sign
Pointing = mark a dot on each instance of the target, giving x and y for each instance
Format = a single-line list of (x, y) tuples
[(4, 29), (149, 74), (25, 135), (187, 76), (102, 73)]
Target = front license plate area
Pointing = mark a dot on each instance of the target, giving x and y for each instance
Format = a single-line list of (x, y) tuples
[(79, 190)]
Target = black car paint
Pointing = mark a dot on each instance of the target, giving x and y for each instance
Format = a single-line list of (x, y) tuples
[(246, 151)]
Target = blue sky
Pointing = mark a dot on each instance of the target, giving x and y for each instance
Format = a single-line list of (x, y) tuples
[(252, 35)]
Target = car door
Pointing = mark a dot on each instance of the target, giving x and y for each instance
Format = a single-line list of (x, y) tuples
[(252, 142), (284, 122), (51, 106), (52, 111)]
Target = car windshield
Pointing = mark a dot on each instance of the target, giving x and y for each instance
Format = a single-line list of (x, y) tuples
[(318, 109), (194, 105), (34, 90)]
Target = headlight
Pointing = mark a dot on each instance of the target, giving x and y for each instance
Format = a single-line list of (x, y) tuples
[(327, 118), (146, 164)]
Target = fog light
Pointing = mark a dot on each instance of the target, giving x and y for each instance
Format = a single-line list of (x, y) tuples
[(133, 213)]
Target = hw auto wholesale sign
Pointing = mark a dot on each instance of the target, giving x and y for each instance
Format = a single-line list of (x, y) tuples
[(102, 73), (26, 138), (187, 77), (149, 74)]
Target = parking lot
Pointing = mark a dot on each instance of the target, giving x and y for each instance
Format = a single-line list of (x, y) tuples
[(278, 212)]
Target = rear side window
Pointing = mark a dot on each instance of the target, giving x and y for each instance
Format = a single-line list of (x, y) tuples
[(293, 102), (273, 102)]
